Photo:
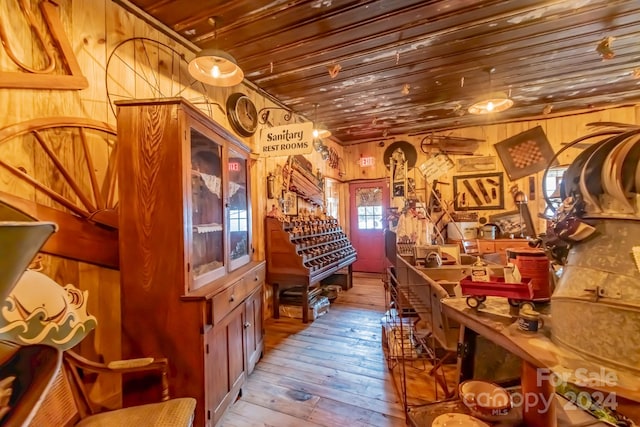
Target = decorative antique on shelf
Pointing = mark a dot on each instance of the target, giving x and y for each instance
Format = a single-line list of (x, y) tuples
[(302, 180)]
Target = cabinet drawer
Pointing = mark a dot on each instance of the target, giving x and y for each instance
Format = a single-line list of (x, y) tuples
[(230, 298), (256, 276), (486, 247)]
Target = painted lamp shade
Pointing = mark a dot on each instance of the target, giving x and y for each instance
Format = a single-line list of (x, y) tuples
[(21, 237)]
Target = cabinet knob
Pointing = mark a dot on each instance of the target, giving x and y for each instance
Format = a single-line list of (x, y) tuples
[(232, 298), (255, 279), (247, 325)]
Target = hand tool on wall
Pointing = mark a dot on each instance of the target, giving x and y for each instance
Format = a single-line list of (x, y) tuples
[(473, 193), (483, 190), (433, 199)]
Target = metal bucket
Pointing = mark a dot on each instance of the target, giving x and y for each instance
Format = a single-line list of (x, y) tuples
[(595, 308), (490, 231)]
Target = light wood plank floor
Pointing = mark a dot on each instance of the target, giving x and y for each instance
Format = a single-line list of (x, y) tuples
[(330, 372)]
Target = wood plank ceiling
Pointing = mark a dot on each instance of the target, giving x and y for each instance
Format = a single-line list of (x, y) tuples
[(415, 66)]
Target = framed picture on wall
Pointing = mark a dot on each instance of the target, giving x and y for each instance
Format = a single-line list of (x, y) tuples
[(511, 223), (290, 203), (398, 189), (477, 164), (525, 153), (478, 192)]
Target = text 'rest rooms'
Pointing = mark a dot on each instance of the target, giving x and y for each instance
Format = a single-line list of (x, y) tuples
[(290, 141)]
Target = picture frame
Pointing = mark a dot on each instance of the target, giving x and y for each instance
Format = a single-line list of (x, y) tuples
[(511, 223), (476, 164), (290, 204), (483, 191), (525, 153), (398, 189)]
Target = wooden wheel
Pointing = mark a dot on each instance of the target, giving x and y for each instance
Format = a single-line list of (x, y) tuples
[(143, 68), (63, 163)]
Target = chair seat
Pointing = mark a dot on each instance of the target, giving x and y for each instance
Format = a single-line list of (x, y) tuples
[(172, 413)]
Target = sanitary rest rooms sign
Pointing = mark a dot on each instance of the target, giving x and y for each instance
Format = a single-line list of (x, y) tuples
[(287, 140)]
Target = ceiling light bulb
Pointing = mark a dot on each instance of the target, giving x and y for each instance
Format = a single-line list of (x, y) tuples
[(215, 72), (315, 133), (493, 103)]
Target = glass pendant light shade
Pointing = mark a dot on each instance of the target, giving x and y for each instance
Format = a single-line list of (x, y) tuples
[(320, 131), (216, 68), (492, 103)]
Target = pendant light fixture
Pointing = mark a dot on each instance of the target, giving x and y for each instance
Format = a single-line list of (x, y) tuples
[(319, 131), (215, 67), (492, 102)]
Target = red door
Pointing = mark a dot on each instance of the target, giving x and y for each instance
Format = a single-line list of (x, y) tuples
[(368, 203)]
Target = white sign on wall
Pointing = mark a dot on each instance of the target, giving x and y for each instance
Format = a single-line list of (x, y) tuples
[(286, 140), (436, 166)]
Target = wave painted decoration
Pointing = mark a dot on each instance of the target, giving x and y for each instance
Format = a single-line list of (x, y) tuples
[(40, 311)]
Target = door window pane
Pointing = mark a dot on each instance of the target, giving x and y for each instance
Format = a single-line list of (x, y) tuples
[(369, 205)]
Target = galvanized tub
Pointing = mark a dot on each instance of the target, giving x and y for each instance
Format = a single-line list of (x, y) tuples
[(595, 308)]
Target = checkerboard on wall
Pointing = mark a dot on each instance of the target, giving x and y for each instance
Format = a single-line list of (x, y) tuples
[(525, 153)]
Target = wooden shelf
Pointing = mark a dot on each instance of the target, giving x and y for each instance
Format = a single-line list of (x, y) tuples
[(288, 263)]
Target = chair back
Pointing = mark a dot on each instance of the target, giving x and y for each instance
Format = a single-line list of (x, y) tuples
[(33, 368), (471, 247), (59, 408)]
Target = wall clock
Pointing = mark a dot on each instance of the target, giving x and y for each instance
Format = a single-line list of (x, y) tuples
[(242, 114)]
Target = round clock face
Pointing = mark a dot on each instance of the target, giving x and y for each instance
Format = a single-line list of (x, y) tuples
[(242, 114)]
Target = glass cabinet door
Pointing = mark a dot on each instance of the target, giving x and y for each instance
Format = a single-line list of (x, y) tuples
[(207, 254), (238, 223)]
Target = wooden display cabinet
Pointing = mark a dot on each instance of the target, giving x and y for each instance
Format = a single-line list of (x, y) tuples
[(190, 291), (302, 253)]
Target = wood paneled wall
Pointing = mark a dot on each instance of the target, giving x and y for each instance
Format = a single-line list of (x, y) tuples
[(559, 130)]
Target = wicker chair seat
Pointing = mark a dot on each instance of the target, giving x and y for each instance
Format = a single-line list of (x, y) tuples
[(172, 413)]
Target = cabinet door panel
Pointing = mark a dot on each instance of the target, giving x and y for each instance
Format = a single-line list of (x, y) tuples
[(207, 251), (225, 362), (253, 329), (217, 368), (239, 215), (236, 346)]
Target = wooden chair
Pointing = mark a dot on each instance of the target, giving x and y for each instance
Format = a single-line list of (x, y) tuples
[(471, 247), (68, 402), (26, 373)]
